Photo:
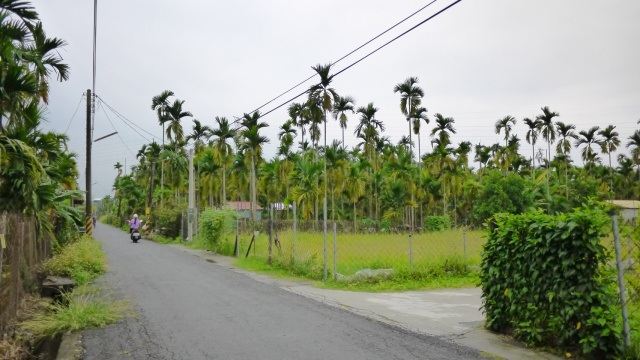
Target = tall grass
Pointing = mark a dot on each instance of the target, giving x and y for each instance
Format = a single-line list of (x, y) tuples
[(372, 251), (436, 259), (84, 308), (83, 260)]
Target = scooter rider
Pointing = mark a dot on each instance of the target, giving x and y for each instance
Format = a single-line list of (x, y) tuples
[(134, 223)]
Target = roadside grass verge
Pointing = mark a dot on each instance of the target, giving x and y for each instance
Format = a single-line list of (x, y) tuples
[(449, 273), (83, 260), (163, 240), (84, 308), (428, 260)]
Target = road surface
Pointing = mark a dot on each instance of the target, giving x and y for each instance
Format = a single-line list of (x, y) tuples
[(189, 308)]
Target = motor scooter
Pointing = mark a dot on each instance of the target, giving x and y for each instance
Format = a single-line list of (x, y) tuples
[(135, 235)]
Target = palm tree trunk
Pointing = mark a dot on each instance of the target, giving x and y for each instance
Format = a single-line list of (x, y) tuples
[(610, 171), (333, 207), (533, 162), (566, 179), (355, 227), (254, 214), (548, 171), (444, 198), (224, 182)]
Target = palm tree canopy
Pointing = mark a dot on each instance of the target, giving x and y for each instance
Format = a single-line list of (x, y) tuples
[(340, 108), (546, 123), (443, 126), (174, 114), (160, 103), (321, 91), (610, 140), (410, 95), (506, 124)]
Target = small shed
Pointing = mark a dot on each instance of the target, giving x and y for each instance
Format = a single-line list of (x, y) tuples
[(243, 208), (628, 209)]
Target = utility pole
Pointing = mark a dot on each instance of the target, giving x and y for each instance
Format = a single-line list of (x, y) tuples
[(192, 197), (88, 223)]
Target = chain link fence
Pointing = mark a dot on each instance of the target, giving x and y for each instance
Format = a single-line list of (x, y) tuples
[(353, 249), (20, 254), (625, 258)]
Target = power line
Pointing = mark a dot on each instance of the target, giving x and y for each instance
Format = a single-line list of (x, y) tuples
[(114, 128), (397, 37), (123, 118), (369, 54), (342, 58), (74, 113)]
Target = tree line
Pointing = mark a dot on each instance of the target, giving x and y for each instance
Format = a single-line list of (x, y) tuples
[(37, 173), (377, 180)]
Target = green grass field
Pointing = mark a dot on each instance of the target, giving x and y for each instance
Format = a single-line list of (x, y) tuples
[(426, 251)]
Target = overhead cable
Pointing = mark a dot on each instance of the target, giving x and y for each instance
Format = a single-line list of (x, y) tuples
[(114, 128), (123, 118), (74, 113), (369, 54), (342, 58)]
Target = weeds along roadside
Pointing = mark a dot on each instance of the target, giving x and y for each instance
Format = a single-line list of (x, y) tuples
[(87, 306)]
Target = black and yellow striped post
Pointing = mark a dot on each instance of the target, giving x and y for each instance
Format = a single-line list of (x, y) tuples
[(88, 225), (147, 223)]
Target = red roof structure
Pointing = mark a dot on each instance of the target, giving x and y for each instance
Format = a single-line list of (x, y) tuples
[(242, 205)]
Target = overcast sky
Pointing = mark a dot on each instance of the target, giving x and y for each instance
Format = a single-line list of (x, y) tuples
[(477, 62)]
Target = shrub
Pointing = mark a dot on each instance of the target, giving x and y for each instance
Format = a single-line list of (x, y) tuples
[(83, 260), (501, 194), (436, 223), (216, 226), (168, 221), (544, 278)]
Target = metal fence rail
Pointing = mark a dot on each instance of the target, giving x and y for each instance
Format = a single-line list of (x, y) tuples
[(20, 254)]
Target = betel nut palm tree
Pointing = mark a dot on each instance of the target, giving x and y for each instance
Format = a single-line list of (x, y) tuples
[(340, 109), (547, 128), (223, 133), (253, 142), (160, 104), (566, 132), (634, 142), (588, 138), (175, 113), (410, 98), (532, 138), (506, 124), (324, 95), (609, 143)]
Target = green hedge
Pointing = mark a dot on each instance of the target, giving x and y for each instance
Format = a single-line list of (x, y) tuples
[(217, 228), (436, 223), (544, 280), (168, 221)]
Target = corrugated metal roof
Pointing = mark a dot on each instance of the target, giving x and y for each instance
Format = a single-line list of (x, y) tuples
[(626, 204)]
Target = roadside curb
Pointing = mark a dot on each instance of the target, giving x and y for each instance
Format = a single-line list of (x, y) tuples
[(70, 348)]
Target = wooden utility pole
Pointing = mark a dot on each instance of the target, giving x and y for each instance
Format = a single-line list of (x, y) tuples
[(87, 211)]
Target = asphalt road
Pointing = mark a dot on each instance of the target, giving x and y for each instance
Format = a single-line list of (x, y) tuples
[(189, 308)]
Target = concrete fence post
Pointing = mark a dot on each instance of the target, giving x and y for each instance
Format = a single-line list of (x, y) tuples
[(335, 251), (410, 252), (464, 244), (295, 222)]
